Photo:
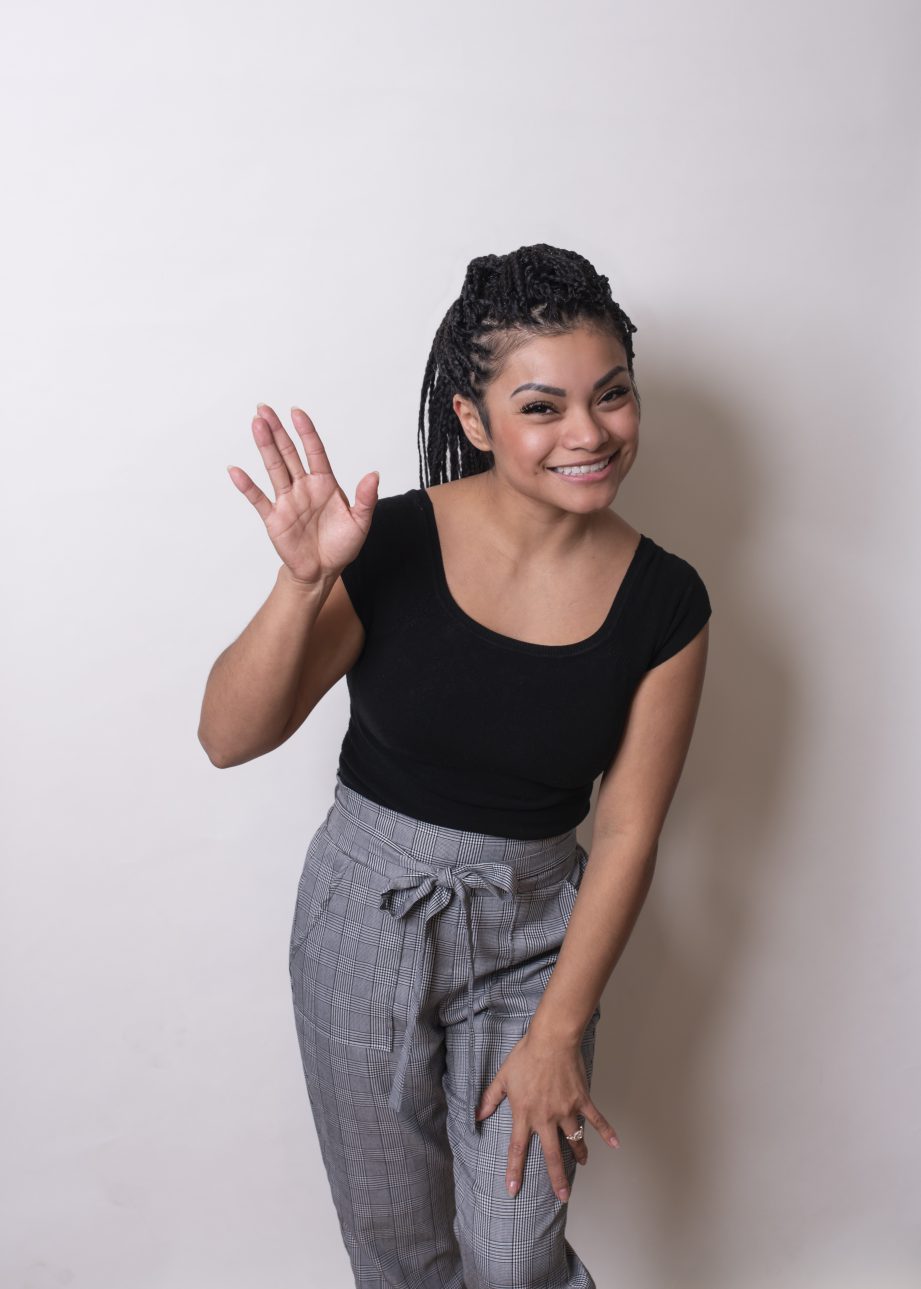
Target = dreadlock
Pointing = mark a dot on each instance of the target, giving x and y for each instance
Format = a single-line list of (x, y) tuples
[(504, 301)]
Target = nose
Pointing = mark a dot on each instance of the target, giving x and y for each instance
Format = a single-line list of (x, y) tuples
[(583, 431)]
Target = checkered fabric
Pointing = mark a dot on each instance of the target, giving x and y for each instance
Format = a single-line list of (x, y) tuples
[(418, 954)]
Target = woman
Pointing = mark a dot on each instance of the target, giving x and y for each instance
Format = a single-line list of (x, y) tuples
[(506, 638)]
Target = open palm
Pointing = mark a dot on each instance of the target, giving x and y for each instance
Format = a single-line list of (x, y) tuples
[(311, 524)]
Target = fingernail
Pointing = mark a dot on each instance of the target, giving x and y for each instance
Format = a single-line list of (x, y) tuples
[(613, 1141), (563, 1193), (512, 1187)]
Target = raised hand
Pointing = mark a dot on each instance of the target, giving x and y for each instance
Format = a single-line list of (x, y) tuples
[(311, 524)]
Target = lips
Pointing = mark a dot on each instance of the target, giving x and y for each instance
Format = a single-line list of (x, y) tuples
[(580, 465)]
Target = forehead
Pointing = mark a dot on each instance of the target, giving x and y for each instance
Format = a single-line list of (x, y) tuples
[(575, 358)]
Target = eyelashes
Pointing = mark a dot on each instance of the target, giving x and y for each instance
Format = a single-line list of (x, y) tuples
[(531, 408)]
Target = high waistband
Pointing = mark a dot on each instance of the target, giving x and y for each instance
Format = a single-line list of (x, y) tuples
[(397, 837), (426, 866)]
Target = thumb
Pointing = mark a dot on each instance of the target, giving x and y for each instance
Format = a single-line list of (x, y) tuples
[(366, 498)]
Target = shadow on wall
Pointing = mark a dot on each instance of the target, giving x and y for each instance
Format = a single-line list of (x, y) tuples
[(694, 491)]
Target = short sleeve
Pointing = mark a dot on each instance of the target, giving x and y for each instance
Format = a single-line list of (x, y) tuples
[(354, 579), (685, 614), (362, 578)]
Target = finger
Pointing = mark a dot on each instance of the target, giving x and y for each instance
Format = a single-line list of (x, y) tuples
[(599, 1123), (578, 1148), (283, 441), (517, 1153), (272, 458), (550, 1141), (243, 483), (492, 1098), (317, 460)]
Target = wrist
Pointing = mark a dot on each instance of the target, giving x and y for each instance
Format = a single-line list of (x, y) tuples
[(311, 590), (555, 1030)]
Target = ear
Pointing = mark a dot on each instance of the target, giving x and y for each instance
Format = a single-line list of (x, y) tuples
[(471, 423)]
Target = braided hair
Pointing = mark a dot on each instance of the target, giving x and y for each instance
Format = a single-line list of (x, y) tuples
[(504, 301)]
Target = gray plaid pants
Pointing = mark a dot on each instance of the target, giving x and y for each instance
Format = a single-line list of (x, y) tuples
[(418, 955)]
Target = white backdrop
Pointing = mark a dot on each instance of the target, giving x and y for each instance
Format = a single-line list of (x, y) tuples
[(209, 205)]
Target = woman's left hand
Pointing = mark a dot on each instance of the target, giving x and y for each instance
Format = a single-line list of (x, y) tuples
[(547, 1088)]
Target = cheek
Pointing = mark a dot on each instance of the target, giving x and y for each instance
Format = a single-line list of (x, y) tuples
[(527, 443), (626, 425)]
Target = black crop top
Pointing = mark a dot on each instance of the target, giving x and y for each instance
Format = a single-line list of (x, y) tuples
[(458, 725)]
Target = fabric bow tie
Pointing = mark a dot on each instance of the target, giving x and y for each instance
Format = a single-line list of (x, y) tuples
[(431, 894)]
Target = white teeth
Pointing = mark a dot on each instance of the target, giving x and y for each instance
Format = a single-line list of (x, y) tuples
[(582, 469)]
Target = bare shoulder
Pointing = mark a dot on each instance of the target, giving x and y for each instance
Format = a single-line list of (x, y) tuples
[(461, 498)]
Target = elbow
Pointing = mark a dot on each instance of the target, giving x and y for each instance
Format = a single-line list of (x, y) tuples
[(220, 762), (629, 849), (223, 759), (649, 863)]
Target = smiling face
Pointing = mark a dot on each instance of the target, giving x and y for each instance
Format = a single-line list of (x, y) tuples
[(560, 401)]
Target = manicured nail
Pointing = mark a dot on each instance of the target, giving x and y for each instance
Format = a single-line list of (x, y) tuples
[(613, 1141), (563, 1193), (512, 1187)]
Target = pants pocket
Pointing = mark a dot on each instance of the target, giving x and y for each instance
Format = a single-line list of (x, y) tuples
[(571, 883), (568, 893), (540, 925), (346, 973), (323, 869)]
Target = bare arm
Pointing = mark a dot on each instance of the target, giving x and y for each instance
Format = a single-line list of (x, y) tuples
[(544, 1075), (306, 635), (302, 640), (633, 801)]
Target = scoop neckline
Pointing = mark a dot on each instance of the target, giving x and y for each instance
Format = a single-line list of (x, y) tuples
[(510, 642)]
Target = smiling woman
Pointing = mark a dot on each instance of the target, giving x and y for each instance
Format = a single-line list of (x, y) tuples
[(506, 638)]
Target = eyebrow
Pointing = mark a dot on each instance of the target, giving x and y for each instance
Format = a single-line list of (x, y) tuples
[(561, 393)]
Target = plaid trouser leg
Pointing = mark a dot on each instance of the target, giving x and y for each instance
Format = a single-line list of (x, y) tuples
[(390, 1176), (508, 1240), (418, 955)]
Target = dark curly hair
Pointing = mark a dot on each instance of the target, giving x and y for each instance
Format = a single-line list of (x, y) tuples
[(505, 301)]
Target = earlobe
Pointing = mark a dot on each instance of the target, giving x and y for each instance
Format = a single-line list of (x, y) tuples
[(470, 423), (476, 437), (479, 442)]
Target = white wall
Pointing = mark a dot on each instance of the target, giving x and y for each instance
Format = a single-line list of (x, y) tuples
[(211, 205)]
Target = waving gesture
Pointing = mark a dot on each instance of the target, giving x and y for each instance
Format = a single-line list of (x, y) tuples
[(310, 523)]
